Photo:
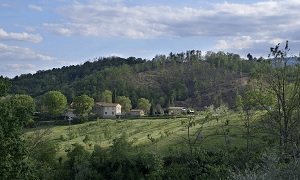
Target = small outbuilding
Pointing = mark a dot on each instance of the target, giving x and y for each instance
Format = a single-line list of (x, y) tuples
[(137, 112), (176, 110)]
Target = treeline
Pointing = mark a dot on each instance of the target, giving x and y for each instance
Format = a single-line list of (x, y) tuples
[(166, 79)]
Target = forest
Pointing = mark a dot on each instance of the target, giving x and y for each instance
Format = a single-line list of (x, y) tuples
[(246, 122)]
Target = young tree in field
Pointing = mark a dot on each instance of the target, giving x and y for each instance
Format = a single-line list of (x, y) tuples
[(282, 81), (189, 123), (125, 102), (221, 113), (55, 102), (247, 105), (239, 102), (144, 104), (106, 96), (83, 105), (15, 112)]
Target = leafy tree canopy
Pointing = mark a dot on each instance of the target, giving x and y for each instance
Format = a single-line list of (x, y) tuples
[(4, 85), (125, 102), (55, 102), (15, 112), (144, 104), (106, 96), (83, 104)]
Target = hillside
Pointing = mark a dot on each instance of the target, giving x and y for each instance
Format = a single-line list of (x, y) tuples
[(166, 80)]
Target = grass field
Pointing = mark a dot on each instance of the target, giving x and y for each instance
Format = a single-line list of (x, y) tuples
[(163, 135)]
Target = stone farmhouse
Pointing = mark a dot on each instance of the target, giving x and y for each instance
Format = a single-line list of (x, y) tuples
[(107, 110)]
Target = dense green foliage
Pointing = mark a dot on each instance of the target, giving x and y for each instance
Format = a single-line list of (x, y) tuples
[(57, 78), (125, 102), (15, 112), (106, 96), (144, 104), (83, 105), (54, 103), (4, 86), (123, 161)]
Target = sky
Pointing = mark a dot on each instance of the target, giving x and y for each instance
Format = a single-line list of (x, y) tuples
[(46, 34)]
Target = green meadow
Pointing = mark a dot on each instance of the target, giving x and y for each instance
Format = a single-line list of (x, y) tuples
[(163, 135)]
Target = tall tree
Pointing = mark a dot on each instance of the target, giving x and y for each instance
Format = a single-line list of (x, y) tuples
[(15, 112), (106, 96), (144, 104), (125, 102), (152, 109), (114, 96), (282, 81), (246, 107), (55, 102), (83, 105)]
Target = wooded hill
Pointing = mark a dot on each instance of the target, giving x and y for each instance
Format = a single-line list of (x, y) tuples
[(183, 79)]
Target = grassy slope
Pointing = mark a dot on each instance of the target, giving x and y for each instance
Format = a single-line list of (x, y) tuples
[(168, 135)]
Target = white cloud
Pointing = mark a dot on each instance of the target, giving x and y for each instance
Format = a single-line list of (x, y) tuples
[(117, 55), (18, 67), (57, 28), (21, 53), (35, 7), (16, 60), (10, 70), (20, 36), (116, 19), (240, 42)]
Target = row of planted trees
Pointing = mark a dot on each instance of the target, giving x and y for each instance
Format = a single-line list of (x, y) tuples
[(54, 103)]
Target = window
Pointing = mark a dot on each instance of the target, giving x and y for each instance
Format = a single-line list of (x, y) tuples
[(112, 113)]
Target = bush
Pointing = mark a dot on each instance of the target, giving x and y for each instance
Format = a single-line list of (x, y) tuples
[(80, 120), (270, 168)]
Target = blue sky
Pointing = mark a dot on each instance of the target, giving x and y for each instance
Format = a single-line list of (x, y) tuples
[(46, 34)]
